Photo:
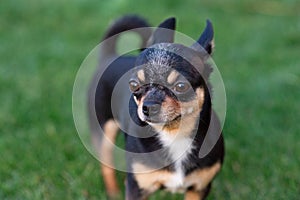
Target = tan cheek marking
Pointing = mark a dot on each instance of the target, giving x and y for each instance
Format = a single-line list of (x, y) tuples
[(190, 112), (172, 77), (188, 124), (194, 106), (185, 126), (170, 103), (170, 107), (202, 177), (150, 181), (141, 75)]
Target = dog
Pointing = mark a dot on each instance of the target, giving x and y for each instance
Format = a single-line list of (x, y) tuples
[(168, 97)]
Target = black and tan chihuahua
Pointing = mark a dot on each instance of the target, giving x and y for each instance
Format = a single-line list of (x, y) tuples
[(168, 94)]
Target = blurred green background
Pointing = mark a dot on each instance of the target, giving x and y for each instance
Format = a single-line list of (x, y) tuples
[(42, 44)]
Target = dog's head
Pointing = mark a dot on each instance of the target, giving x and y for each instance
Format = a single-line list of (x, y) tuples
[(169, 83)]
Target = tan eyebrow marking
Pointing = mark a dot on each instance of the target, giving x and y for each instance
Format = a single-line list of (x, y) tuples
[(141, 75), (172, 77)]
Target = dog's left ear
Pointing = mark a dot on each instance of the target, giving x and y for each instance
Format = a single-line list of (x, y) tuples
[(164, 33), (206, 39)]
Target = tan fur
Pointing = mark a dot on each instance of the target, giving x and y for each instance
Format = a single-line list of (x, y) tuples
[(171, 108), (141, 75), (189, 111), (172, 77), (106, 154), (202, 177), (192, 195), (151, 181)]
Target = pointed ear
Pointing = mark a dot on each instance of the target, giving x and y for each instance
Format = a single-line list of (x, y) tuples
[(164, 32), (206, 38)]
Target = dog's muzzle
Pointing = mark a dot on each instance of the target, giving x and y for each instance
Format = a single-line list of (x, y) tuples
[(151, 108)]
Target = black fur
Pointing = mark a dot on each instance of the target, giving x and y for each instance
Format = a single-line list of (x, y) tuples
[(147, 58)]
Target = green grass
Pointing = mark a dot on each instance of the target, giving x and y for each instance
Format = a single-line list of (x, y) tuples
[(42, 44)]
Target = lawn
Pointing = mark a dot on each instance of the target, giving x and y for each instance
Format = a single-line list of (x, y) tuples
[(43, 43)]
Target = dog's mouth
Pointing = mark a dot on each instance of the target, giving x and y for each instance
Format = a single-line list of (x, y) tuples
[(152, 120)]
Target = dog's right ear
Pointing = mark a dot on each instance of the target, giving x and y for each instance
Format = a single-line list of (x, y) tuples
[(206, 39), (164, 32)]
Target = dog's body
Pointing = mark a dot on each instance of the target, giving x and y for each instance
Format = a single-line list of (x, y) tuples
[(171, 100)]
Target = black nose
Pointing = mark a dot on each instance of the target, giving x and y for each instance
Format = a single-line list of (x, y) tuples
[(151, 108)]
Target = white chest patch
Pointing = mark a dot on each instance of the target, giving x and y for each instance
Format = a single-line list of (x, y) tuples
[(179, 148), (176, 182)]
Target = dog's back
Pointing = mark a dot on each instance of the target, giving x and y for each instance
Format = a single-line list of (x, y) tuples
[(111, 68), (117, 65)]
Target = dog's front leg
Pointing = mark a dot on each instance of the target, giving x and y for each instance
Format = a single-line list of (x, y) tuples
[(133, 192), (197, 195)]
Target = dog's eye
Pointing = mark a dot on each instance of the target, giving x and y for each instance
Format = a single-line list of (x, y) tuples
[(181, 87), (134, 86)]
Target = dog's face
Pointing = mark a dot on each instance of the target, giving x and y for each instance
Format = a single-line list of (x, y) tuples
[(166, 87), (168, 84)]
